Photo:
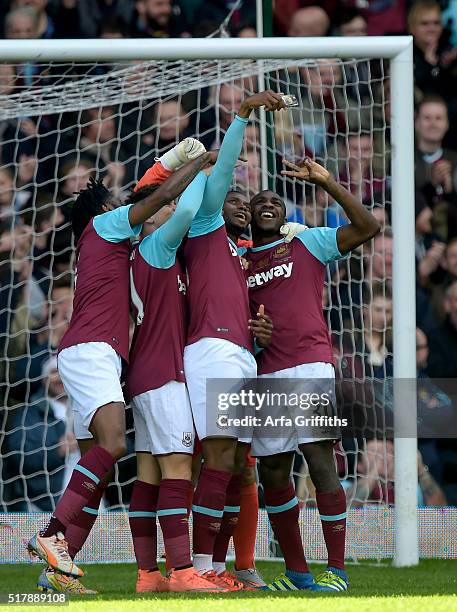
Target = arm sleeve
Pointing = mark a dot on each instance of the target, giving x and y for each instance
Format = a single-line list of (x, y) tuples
[(209, 217), (159, 249), (114, 225), (321, 242)]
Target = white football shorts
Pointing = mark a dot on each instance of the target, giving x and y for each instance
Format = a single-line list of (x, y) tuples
[(90, 374), (286, 438), (214, 358), (163, 420)]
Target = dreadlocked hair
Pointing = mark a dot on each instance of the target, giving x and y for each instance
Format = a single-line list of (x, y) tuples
[(87, 205), (141, 193)]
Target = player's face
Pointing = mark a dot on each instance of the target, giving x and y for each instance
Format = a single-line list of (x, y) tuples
[(268, 212), (237, 211)]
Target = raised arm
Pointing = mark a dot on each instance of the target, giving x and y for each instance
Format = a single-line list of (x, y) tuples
[(173, 231), (219, 181), (363, 225), (168, 190)]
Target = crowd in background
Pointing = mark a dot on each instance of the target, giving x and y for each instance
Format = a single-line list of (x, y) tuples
[(344, 115)]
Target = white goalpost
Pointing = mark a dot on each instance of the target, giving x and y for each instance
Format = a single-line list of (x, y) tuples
[(285, 51)]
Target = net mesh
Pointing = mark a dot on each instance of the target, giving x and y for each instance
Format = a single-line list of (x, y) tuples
[(63, 123)]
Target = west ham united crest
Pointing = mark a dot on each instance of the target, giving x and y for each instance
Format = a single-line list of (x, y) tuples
[(187, 438)]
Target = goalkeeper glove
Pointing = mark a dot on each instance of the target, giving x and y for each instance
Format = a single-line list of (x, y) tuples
[(290, 230), (180, 154)]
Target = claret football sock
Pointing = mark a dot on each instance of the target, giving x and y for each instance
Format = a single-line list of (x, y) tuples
[(207, 511), (229, 520), (86, 476), (78, 531), (283, 512), (142, 520), (332, 510), (172, 515)]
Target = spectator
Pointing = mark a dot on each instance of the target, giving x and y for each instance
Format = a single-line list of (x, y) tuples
[(45, 335), (283, 10), (7, 80), (6, 195), (247, 31), (442, 362), (385, 18), (224, 102), (435, 411), (74, 174), (438, 288), (375, 481), (98, 134), (161, 127), (46, 219), (158, 19), (85, 18), (248, 174), (46, 27), (434, 60), (378, 265), (351, 22), (436, 165), (38, 442), (310, 21), (22, 23), (429, 250), (357, 73), (319, 119), (377, 326), (357, 172)]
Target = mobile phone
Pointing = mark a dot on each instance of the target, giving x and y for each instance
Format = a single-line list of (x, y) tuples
[(289, 101)]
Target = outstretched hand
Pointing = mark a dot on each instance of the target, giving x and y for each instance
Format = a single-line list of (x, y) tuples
[(271, 100), (307, 170)]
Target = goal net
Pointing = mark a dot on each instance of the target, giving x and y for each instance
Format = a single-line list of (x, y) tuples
[(62, 123)]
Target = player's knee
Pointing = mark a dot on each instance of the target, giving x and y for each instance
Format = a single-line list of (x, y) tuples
[(321, 464), (116, 446), (275, 471), (219, 454), (176, 466)]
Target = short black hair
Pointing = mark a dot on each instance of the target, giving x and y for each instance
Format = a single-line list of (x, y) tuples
[(271, 191), (87, 205)]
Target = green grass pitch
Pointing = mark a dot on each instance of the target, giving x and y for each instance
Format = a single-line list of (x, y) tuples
[(430, 586)]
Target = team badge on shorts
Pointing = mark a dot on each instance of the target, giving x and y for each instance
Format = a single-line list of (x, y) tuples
[(187, 438)]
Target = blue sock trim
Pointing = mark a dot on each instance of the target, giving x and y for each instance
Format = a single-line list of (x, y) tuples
[(283, 507), (88, 473), (208, 511), (171, 511), (333, 517), (141, 514), (231, 508), (90, 510)]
